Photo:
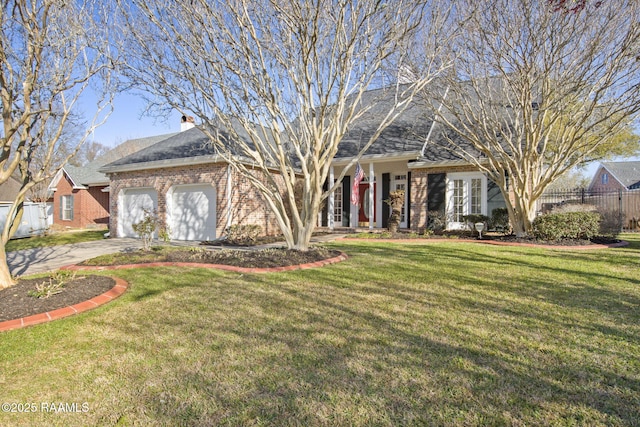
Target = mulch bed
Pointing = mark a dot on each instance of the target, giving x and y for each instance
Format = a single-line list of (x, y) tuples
[(266, 258), (15, 302)]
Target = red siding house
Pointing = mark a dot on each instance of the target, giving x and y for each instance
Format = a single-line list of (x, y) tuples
[(613, 176), (81, 193)]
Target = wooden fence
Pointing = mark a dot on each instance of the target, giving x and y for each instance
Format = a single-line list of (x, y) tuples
[(620, 209)]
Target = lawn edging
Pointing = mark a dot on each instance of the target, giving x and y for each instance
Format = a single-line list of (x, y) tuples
[(121, 286), (321, 263), (619, 244), (118, 289)]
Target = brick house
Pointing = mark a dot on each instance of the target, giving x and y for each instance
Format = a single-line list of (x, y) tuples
[(614, 176), (197, 195), (81, 194)]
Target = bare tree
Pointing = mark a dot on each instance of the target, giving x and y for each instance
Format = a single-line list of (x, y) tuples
[(89, 152), (276, 84), (50, 52), (539, 88)]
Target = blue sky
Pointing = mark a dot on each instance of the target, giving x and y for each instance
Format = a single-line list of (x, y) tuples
[(127, 122)]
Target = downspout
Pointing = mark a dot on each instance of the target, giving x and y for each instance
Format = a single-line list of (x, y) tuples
[(229, 197)]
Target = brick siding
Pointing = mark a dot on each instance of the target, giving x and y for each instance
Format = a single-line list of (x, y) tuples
[(90, 206), (248, 206), (419, 193)]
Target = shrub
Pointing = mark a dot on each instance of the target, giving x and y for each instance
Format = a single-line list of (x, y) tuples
[(436, 221), (500, 220), (54, 286), (146, 228), (567, 225), (243, 235)]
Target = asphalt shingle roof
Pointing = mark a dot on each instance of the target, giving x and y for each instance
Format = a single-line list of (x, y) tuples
[(90, 174), (407, 134), (627, 173)]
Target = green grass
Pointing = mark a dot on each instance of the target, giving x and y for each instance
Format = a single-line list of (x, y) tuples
[(64, 238), (445, 333)]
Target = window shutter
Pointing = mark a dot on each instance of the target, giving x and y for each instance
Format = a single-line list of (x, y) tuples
[(436, 190), (71, 208), (346, 201)]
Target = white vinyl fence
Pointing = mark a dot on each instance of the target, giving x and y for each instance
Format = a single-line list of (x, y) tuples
[(37, 218)]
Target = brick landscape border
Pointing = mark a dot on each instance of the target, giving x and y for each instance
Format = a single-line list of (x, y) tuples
[(121, 286), (619, 244), (316, 264), (60, 313)]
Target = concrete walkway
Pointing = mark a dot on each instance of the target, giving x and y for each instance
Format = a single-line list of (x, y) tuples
[(42, 260)]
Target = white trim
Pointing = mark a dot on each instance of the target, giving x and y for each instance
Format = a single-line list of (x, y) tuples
[(466, 177), (392, 187), (372, 180), (229, 196), (377, 158), (330, 201), (198, 160), (444, 163)]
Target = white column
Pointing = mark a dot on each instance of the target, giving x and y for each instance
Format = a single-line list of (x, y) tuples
[(371, 198), (330, 201)]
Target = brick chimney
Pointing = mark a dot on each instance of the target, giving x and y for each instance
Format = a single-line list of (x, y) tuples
[(186, 123)]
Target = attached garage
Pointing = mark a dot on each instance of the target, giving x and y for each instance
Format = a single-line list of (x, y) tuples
[(133, 203), (192, 212)]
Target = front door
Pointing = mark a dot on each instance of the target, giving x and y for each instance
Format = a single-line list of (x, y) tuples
[(363, 212)]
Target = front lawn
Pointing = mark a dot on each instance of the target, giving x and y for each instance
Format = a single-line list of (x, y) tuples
[(62, 238), (445, 333)]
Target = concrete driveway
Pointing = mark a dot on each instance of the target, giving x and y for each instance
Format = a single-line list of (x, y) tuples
[(40, 260)]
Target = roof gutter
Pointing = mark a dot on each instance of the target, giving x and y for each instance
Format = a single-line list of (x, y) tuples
[(157, 164), (376, 158)]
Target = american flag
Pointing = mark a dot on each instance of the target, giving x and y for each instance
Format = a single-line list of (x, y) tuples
[(355, 193)]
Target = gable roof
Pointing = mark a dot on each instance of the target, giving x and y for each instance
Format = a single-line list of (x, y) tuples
[(90, 175), (10, 188), (626, 173), (404, 138)]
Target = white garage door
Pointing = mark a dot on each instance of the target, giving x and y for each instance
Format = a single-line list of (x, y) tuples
[(193, 212), (134, 203)]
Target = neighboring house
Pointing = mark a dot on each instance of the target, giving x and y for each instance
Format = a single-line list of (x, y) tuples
[(36, 217), (10, 188), (197, 195), (81, 194), (613, 176)]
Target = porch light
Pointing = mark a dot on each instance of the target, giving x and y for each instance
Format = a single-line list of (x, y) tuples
[(479, 227)]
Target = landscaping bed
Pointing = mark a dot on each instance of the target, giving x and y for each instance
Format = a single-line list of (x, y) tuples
[(263, 258), (16, 301)]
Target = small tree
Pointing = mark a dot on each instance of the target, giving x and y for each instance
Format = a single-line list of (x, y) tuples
[(395, 201), (51, 52), (146, 228)]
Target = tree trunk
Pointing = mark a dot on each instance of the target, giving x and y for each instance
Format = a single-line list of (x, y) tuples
[(6, 280), (521, 215)]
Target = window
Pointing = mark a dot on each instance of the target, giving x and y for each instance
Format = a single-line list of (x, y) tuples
[(337, 205), (604, 179), (466, 195), (400, 183), (476, 196), (66, 208), (457, 200)]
